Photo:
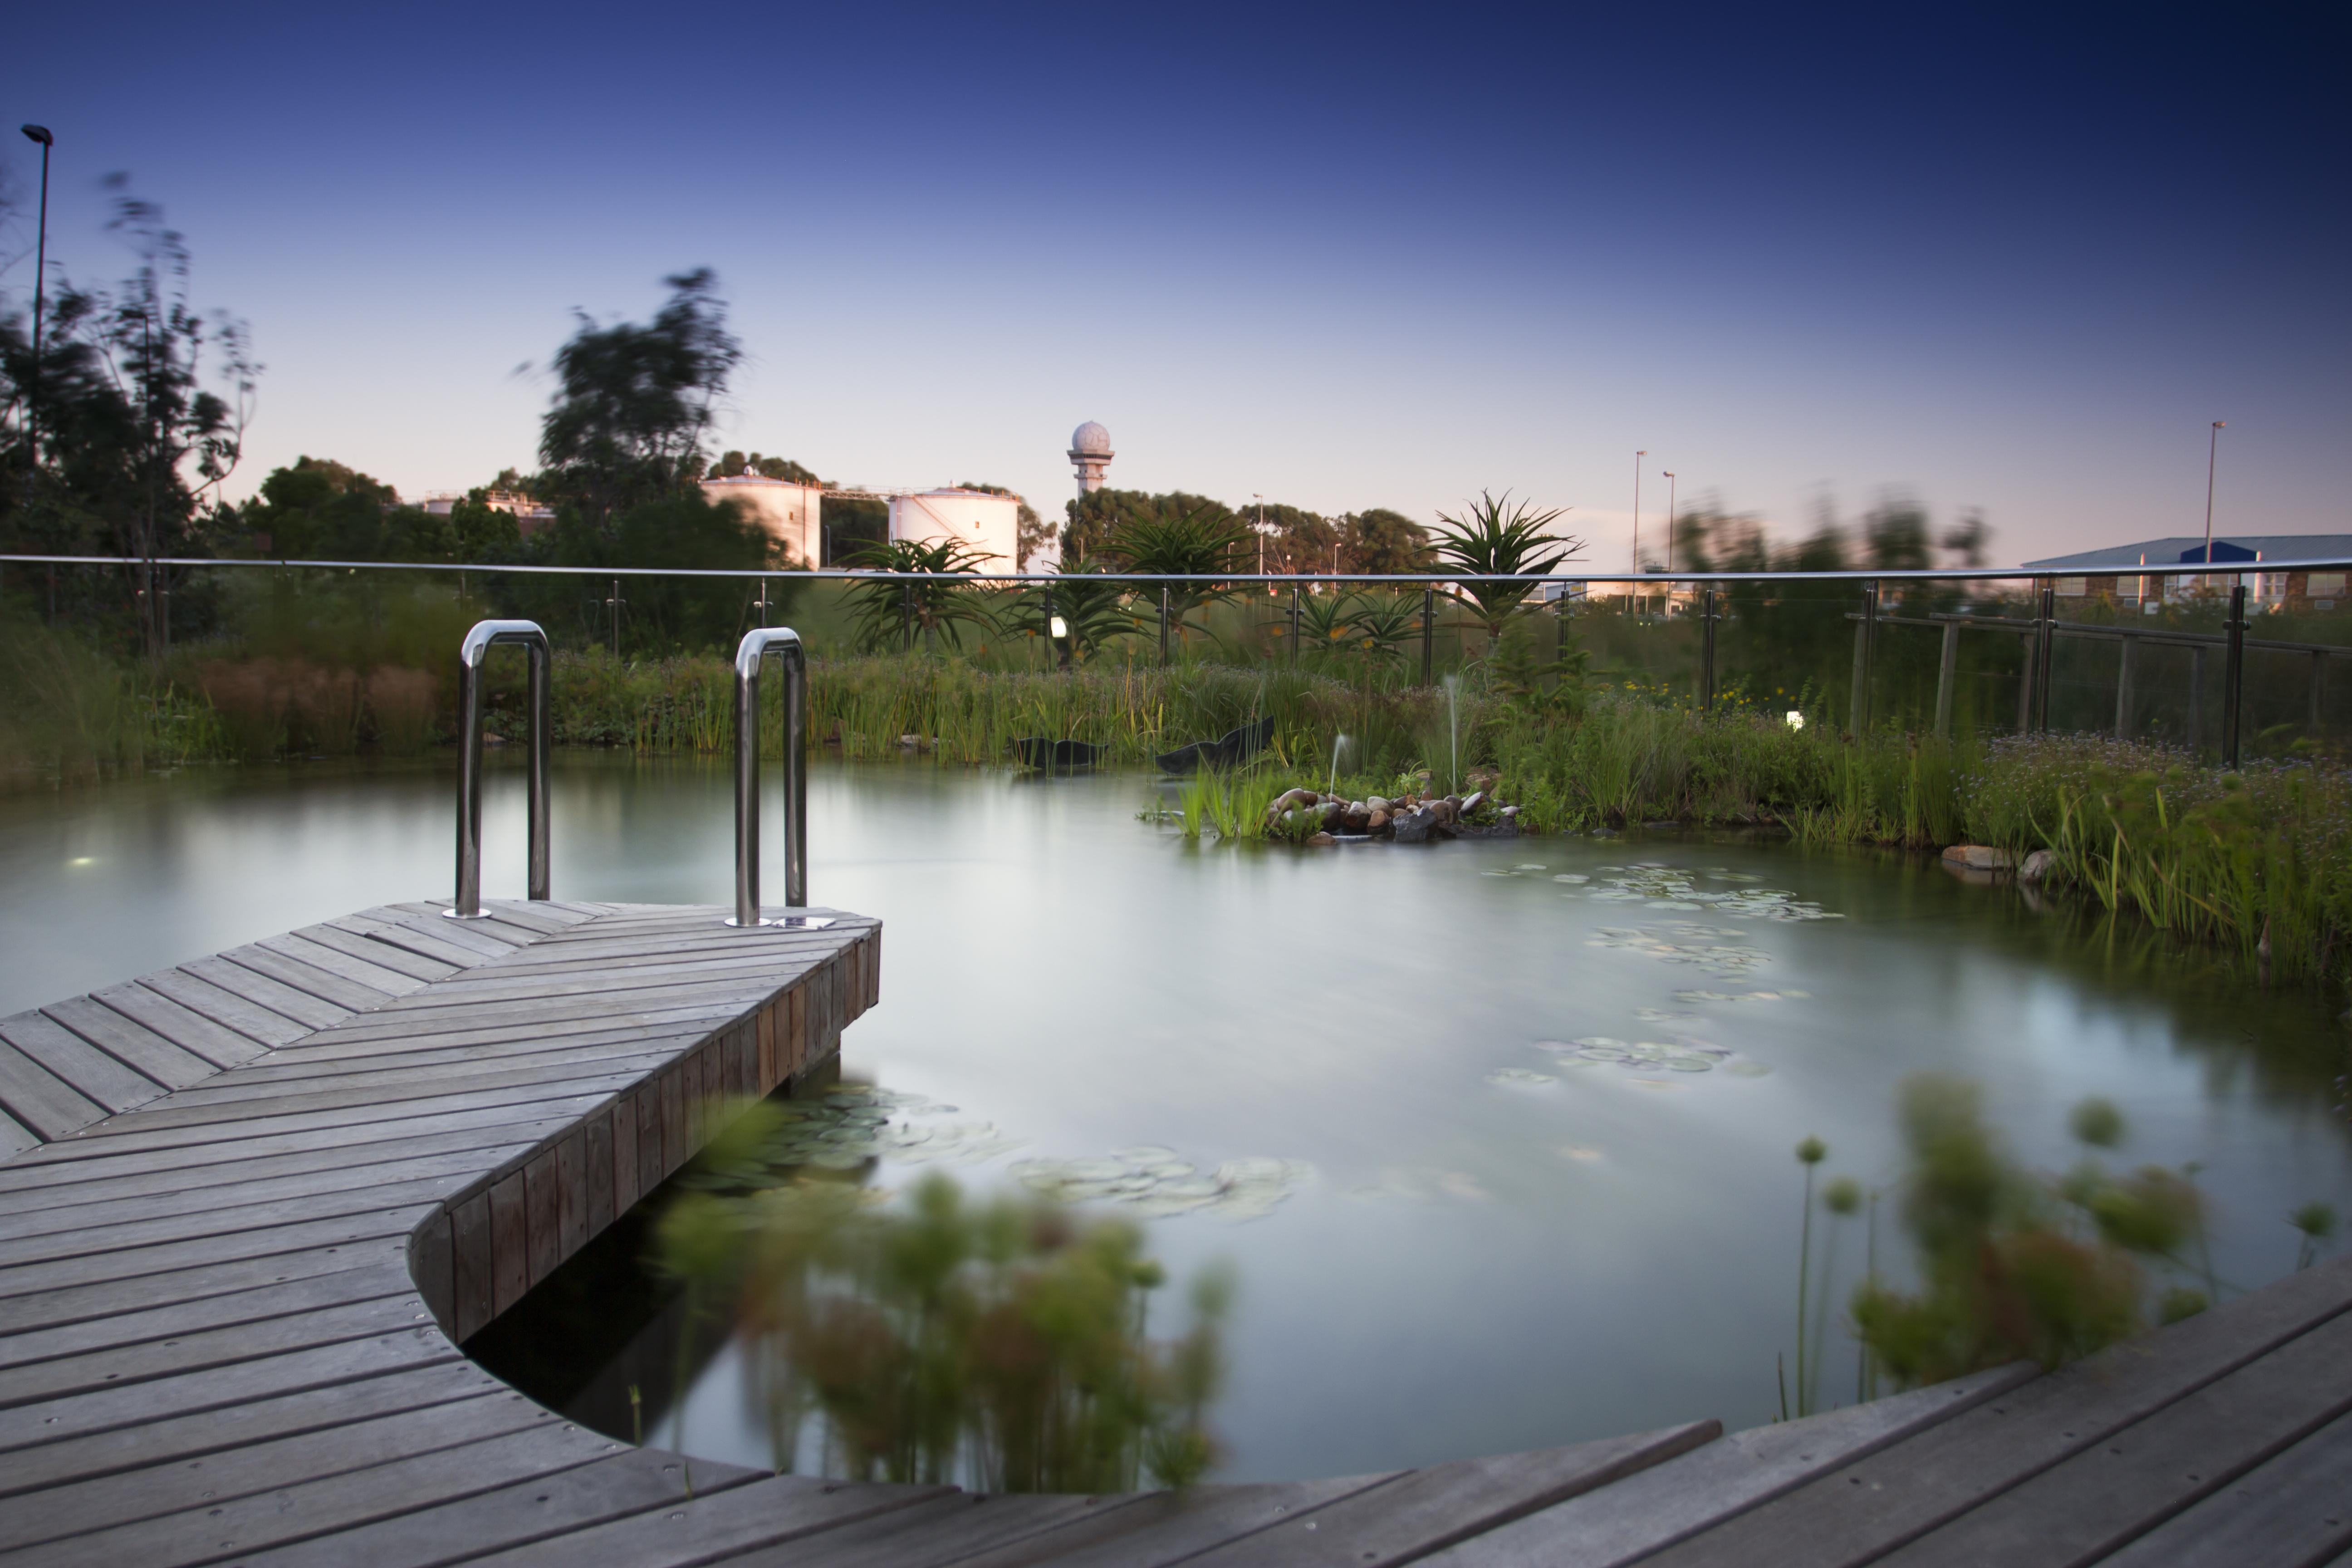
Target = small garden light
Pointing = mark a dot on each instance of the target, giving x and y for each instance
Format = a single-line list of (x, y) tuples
[(1796, 719), (1058, 628)]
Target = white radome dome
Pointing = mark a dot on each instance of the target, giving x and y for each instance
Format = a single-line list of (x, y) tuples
[(1092, 439)]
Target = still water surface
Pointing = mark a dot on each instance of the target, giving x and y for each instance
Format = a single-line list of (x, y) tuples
[(1481, 1244)]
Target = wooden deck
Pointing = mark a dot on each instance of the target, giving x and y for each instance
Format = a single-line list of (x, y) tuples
[(252, 1205)]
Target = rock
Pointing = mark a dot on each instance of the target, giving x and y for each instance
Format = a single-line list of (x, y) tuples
[(1322, 838), (1482, 778), (1471, 804), (1509, 827), (910, 741), (1376, 820), (1510, 811), (1979, 857), (1374, 803), (1287, 799), (1447, 810), (2042, 863), (1355, 819), (1412, 826)]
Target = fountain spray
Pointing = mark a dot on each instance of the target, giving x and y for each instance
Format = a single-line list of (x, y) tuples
[(1332, 784)]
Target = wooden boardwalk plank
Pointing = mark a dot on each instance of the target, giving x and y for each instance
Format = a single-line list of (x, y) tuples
[(132, 1044), (2120, 1488), (191, 1031), (1427, 1511), (932, 1534), (543, 1505), (1927, 1480), (399, 958), (80, 1506), (97, 1076), (300, 979), (127, 1235), (246, 1527), (14, 1136), (183, 1439), (29, 1427), (262, 990), (2291, 1513), (391, 979), (104, 1299), (1173, 1527), (227, 1008), (133, 1263), (41, 1101), (179, 1318), (714, 1526), (117, 1366), (449, 941), (236, 1095), (1620, 1524)]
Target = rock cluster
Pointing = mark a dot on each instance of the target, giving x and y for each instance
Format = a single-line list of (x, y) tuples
[(1410, 819), (2035, 867)]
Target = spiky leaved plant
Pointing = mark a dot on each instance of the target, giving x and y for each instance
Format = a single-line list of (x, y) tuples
[(1500, 538)]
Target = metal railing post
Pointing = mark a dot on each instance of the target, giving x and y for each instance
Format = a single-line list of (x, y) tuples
[(1864, 637), (2123, 694), (1428, 636), (1294, 623), (2233, 675), (1948, 672), (751, 656), (1705, 652), (1163, 623), (2045, 640), (477, 647)]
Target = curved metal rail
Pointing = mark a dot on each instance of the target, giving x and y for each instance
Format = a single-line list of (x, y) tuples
[(486, 635), (751, 656)]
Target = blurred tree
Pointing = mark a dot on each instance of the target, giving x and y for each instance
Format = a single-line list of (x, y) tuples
[(320, 510), (634, 403), (131, 446), (1380, 541), (1296, 540)]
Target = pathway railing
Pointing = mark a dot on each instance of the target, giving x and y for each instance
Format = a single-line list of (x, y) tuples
[(486, 635), (751, 658)]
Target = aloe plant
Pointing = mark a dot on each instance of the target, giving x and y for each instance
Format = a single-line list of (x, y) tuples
[(892, 610), (1499, 538)]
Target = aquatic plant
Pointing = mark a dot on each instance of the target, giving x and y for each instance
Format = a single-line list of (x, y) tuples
[(2015, 1266), (1000, 1344)]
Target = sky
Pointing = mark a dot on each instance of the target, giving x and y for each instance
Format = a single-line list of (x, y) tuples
[(2011, 260)]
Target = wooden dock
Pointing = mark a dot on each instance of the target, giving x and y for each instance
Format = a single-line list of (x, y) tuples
[(252, 1207)]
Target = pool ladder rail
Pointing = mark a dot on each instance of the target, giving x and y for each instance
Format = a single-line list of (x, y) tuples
[(751, 658)]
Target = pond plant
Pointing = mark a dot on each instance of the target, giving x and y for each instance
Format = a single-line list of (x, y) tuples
[(1000, 1344)]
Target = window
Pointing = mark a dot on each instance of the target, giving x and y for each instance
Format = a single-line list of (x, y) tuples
[(2073, 587), (2323, 585)]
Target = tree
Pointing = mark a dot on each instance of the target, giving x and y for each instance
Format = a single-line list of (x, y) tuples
[(1093, 520), (320, 510), (735, 464), (634, 401), (1494, 538), (1296, 540), (1380, 541), (133, 444), (924, 598)]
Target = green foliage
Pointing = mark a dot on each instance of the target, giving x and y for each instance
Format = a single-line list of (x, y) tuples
[(1380, 542), (924, 601), (634, 401), (999, 1345), (1496, 537), (1094, 611), (2004, 1275)]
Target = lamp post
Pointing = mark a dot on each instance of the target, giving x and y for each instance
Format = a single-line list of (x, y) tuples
[(1637, 512), (2212, 452), (39, 133)]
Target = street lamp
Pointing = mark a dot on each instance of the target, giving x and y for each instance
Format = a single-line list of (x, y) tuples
[(2213, 451), (1637, 510), (39, 133)]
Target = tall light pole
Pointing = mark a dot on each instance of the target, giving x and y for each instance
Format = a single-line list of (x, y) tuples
[(1670, 526), (2212, 452), (39, 133), (1637, 512)]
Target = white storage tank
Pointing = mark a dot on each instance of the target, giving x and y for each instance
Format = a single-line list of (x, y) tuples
[(989, 526), (786, 510)]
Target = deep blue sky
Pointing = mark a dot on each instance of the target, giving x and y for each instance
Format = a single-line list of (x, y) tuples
[(2010, 259)]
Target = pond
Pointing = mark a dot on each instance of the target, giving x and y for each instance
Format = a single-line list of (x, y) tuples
[(1506, 1127)]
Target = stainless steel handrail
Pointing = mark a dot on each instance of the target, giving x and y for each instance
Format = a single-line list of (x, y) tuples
[(477, 647), (751, 656)]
